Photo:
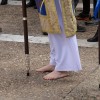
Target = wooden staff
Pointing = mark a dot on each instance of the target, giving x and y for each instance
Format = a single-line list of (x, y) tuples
[(99, 40), (99, 36), (0, 29), (27, 60)]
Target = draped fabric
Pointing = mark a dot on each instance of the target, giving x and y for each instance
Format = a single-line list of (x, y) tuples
[(49, 17), (64, 52)]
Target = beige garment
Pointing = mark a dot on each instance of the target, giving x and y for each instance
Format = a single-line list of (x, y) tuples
[(50, 22)]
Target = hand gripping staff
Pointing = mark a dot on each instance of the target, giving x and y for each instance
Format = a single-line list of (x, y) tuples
[(97, 13), (27, 59)]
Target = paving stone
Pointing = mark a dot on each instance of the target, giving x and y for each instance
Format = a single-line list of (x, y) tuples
[(15, 85)]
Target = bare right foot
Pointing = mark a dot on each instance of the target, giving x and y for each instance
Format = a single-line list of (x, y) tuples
[(55, 75), (48, 68)]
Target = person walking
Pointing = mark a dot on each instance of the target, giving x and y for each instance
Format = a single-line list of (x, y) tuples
[(64, 54)]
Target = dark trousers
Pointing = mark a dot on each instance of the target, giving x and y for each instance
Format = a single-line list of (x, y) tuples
[(33, 1), (86, 6)]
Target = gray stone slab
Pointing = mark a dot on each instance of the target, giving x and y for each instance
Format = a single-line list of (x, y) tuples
[(15, 85), (42, 40)]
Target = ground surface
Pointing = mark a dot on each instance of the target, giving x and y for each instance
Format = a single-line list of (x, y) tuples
[(11, 22), (15, 85)]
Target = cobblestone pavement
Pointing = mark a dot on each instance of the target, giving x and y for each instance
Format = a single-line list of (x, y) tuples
[(15, 85)]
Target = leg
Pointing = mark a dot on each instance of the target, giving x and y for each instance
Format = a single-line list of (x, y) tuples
[(85, 14), (4, 2), (86, 6), (51, 65), (94, 4), (66, 56), (66, 51)]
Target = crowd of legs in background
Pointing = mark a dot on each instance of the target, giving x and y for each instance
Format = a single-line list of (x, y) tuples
[(83, 16)]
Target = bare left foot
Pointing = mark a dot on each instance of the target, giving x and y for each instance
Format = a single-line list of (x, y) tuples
[(55, 75), (48, 68)]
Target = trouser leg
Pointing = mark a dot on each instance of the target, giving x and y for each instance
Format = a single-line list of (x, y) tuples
[(4, 2), (52, 51), (86, 6), (66, 54)]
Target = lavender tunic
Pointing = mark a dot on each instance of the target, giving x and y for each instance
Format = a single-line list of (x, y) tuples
[(64, 51)]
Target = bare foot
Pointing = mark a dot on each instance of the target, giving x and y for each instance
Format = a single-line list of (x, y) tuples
[(47, 68), (55, 75)]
